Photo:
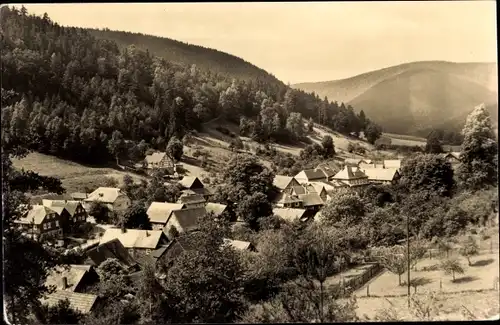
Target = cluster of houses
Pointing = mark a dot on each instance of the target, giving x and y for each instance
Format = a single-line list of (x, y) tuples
[(300, 198)]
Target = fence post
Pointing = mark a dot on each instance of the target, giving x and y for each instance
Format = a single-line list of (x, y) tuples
[(440, 284), (368, 290)]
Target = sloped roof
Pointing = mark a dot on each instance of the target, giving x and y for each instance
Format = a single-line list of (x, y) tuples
[(328, 186), (455, 155), (216, 208), (311, 199), (133, 238), (111, 249), (348, 173), (155, 157), (381, 174), (105, 195), (82, 302), (353, 161), (316, 187), (312, 174), (237, 244), (191, 199), (79, 195), (35, 215), (159, 212), (287, 198), (392, 163), (188, 218), (188, 181), (289, 214), (74, 276), (281, 181), (327, 170), (298, 190), (59, 205)]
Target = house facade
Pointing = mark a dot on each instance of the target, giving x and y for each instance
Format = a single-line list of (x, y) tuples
[(159, 160), (159, 212), (352, 176), (71, 213), (136, 241), (284, 183), (42, 223), (385, 176), (113, 198)]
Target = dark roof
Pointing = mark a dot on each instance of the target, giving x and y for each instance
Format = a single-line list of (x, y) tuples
[(80, 301), (188, 218), (298, 190), (311, 199), (313, 174), (111, 249), (191, 199)]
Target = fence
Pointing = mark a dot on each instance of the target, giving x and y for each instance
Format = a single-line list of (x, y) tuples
[(356, 281)]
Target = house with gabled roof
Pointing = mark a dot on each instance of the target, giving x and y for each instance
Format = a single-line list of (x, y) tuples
[(183, 220), (352, 176), (329, 169), (193, 185), (159, 212), (311, 175), (192, 201), (289, 201), (136, 240), (317, 188), (82, 302), (239, 245), (382, 175), (112, 249), (216, 208), (452, 157), (159, 160), (71, 213), (74, 278), (113, 198), (284, 183), (41, 222), (290, 214), (311, 201)]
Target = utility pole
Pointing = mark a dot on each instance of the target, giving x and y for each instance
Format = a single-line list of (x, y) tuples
[(408, 254)]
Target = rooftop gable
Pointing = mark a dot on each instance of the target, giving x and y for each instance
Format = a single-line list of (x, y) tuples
[(105, 195), (134, 238), (159, 212)]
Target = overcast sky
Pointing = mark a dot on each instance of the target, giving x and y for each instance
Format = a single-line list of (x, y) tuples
[(299, 42)]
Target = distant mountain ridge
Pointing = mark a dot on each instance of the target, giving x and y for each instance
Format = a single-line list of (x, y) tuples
[(412, 98), (184, 53)]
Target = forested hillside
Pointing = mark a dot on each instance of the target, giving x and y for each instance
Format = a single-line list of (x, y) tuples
[(182, 53), (72, 95)]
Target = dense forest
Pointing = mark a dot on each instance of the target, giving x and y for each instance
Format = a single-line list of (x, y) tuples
[(67, 93)]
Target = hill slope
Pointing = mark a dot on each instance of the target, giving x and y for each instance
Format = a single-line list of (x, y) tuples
[(183, 53), (416, 96)]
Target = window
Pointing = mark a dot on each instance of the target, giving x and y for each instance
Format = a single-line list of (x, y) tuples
[(57, 223), (44, 226)]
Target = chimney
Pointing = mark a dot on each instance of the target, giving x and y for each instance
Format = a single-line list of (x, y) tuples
[(147, 233), (64, 283)]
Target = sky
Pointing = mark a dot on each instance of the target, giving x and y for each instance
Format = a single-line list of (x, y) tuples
[(307, 42)]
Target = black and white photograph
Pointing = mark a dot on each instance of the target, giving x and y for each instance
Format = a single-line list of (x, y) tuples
[(249, 162)]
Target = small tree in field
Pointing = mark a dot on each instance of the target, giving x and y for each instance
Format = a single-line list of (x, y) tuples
[(469, 248), (444, 246), (452, 266), (393, 259)]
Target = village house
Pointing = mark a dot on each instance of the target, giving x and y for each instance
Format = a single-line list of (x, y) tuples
[(382, 175), (71, 213), (352, 176), (82, 302), (111, 249), (174, 249), (78, 196), (113, 198), (159, 160), (329, 169), (75, 278), (452, 157), (291, 215), (311, 202), (159, 212), (41, 222), (192, 201), (289, 201), (311, 175), (318, 188), (136, 241), (216, 208), (239, 245), (193, 185), (184, 220), (284, 183)]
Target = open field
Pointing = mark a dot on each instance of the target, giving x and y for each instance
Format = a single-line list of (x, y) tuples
[(482, 304), (74, 177), (405, 140)]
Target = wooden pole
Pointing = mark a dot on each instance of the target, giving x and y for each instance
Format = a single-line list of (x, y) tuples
[(408, 255), (368, 290)]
